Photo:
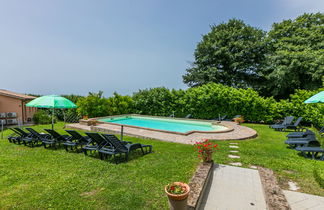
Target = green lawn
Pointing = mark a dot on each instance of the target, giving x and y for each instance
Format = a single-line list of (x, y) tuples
[(43, 178), (38, 178), (268, 150)]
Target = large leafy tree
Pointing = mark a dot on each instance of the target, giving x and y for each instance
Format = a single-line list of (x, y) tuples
[(231, 54), (296, 56)]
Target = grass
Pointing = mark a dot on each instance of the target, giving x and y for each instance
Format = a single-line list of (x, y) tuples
[(38, 178), (268, 150)]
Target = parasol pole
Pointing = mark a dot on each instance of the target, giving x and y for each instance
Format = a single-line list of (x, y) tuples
[(64, 117), (53, 119)]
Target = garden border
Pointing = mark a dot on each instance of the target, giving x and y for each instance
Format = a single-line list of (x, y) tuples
[(198, 184)]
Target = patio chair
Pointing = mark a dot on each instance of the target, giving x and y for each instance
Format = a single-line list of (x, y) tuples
[(311, 152), (97, 142), (288, 126), (77, 140), (120, 148), (300, 134), (55, 139), (287, 121)]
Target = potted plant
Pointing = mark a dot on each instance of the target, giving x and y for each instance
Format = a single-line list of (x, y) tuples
[(177, 193), (205, 150), (85, 117), (239, 120)]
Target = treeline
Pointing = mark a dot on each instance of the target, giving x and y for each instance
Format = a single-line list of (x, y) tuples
[(204, 102)]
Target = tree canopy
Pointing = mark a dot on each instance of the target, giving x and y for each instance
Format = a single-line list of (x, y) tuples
[(290, 56), (230, 54), (295, 58)]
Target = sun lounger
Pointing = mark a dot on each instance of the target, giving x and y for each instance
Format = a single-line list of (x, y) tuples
[(34, 138), (16, 136), (189, 116), (300, 134), (302, 142), (56, 138), (287, 121), (77, 140), (311, 152), (321, 132), (294, 126), (118, 147), (221, 118), (97, 142)]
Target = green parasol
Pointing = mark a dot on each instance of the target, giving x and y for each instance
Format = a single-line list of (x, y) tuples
[(52, 102), (317, 98)]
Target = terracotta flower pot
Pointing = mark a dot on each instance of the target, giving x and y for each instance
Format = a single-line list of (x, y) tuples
[(178, 201)]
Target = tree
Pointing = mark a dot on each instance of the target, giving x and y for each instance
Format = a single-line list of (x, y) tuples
[(231, 54), (296, 56)]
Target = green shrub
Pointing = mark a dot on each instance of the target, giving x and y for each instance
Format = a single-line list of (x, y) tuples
[(94, 105), (119, 104), (42, 117)]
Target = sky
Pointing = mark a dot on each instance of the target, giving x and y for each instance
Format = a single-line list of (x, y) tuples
[(79, 46)]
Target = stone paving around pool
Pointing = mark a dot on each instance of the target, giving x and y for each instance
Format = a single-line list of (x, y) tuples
[(239, 133)]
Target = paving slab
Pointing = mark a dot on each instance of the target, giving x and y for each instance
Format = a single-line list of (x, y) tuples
[(253, 167), (236, 164), (234, 151), (234, 188), (233, 146), (234, 156), (301, 201)]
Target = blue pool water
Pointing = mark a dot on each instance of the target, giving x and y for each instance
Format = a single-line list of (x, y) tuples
[(181, 126)]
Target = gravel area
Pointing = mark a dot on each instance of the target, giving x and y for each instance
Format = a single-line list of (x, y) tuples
[(275, 197)]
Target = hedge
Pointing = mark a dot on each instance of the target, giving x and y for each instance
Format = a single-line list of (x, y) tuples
[(205, 102)]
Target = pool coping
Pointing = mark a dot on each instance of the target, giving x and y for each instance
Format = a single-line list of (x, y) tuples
[(213, 122)]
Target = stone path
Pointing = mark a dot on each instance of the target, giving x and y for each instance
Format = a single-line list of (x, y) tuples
[(239, 132), (234, 188), (302, 201), (234, 145)]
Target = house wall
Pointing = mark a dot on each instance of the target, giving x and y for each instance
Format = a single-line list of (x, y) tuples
[(10, 104)]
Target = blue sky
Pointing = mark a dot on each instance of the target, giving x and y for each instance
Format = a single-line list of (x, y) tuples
[(77, 46)]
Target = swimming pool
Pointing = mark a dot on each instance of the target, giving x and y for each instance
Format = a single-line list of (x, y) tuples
[(165, 124)]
